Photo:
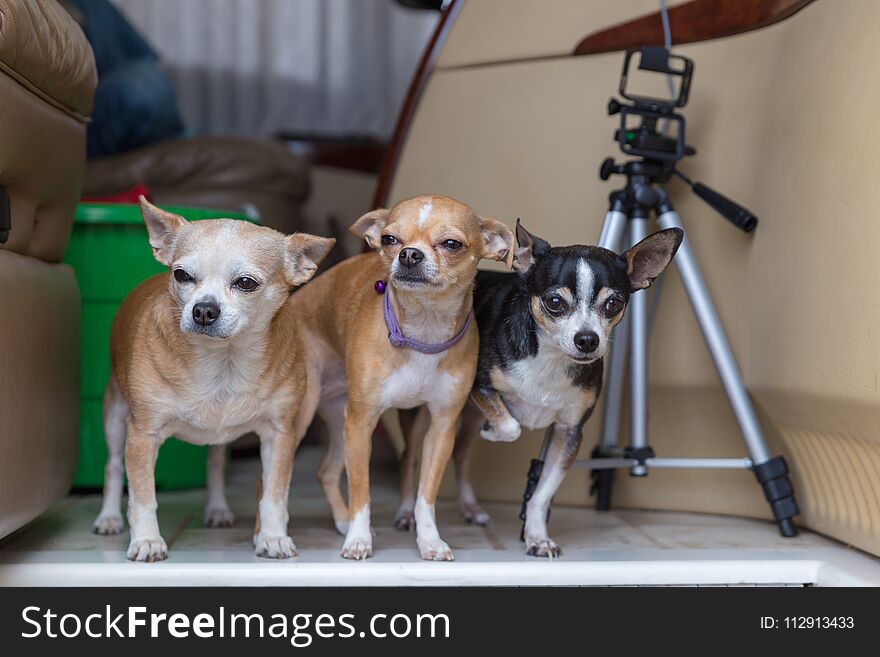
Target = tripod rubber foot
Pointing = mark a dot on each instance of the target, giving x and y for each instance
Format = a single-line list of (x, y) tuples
[(773, 477), (787, 528)]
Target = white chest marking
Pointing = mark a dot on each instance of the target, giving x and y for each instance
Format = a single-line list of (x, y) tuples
[(419, 381), (538, 390), (223, 401)]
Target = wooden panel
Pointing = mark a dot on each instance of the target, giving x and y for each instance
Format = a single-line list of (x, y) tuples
[(354, 153), (407, 111), (699, 20)]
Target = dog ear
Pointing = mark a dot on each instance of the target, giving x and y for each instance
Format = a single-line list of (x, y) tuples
[(162, 228), (528, 247), (497, 241), (370, 227), (304, 253), (647, 259)]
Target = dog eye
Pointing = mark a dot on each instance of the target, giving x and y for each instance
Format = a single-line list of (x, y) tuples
[(389, 240), (613, 306), (246, 284), (181, 276), (453, 245), (555, 304)]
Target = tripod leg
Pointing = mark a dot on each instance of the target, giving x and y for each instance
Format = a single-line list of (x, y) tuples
[(772, 472), (638, 348), (613, 230), (614, 385), (612, 238), (603, 479)]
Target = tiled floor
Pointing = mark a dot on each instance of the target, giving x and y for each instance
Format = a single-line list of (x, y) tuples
[(617, 548)]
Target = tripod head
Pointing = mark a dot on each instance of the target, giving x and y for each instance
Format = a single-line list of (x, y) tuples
[(638, 135)]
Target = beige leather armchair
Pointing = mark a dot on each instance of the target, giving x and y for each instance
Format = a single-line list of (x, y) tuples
[(232, 173), (47, 81)]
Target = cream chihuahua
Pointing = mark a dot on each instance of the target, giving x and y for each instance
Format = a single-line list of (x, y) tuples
[(206, 352)]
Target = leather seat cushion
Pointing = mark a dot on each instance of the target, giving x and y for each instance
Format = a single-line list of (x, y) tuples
[(220, 172), (218, 162)]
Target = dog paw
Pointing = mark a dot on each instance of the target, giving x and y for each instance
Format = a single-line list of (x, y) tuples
[(504, 432), (275, 547), (147, 550), (435, 550), (219, 517), (543, 547), (473, 514), (357, 548), (108, 524), (405, 521)]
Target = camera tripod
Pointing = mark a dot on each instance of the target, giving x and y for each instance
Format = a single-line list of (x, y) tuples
[(627, 223)]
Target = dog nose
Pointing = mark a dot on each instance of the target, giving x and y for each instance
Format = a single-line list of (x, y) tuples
[(206, 312), (410, 256), (586, 341)]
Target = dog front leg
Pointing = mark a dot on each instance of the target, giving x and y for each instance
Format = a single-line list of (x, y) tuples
[(500, 425), (276, 452), (439, 442), (561, 453), (141, 450), (360, 420), (217, 511)]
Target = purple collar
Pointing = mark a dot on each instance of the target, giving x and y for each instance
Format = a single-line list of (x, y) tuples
[(398, 339)]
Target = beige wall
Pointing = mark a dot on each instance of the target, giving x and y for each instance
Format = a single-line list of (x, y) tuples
[(784, 121)]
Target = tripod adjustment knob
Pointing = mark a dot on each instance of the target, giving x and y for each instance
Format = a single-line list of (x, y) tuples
[(613, 106), (607, 168)]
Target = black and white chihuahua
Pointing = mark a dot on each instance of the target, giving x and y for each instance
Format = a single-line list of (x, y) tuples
[(544, 331)]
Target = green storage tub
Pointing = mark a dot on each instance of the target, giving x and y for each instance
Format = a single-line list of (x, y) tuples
[(110, 254)]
